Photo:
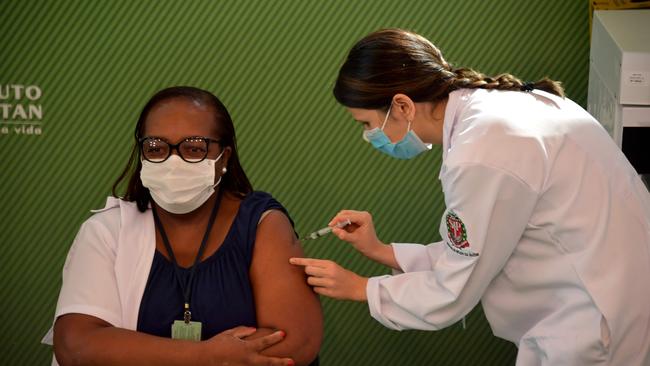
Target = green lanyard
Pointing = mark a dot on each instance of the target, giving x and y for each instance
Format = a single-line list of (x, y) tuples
[(186, 287)]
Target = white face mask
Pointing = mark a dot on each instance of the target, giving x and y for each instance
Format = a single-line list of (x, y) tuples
[(178, 186)]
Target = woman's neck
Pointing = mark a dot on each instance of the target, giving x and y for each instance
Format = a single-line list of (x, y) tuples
[(432, 121)]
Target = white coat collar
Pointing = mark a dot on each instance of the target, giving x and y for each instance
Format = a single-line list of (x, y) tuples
[(112, 202), (455, 98)]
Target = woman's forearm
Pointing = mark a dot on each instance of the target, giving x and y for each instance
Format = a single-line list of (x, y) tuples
[(117, 346), (85, 340)]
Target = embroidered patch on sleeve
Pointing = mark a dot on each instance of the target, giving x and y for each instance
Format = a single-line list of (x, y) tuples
[(457, 234)]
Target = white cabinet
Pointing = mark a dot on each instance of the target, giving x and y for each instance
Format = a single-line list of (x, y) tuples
[(619, 80)]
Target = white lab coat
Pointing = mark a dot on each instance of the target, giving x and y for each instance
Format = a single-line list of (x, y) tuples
[(111, 255), (557, 235)]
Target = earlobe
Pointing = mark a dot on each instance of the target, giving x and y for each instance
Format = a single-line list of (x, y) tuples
[(226, 157)]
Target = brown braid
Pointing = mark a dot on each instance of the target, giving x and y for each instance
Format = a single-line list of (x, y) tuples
[(467, 78)]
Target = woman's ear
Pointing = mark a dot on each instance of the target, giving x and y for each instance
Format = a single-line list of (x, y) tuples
[(223, 162), (404, 106), (226, 155)]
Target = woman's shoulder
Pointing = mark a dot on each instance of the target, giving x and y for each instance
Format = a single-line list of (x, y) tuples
[(114, 212), (254, 207), (111, 224), (259, 198), (256, 203), (101, 228)]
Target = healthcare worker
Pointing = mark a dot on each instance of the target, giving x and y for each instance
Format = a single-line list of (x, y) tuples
[(546, 222)]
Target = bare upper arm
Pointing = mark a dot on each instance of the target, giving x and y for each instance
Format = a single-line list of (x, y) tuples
[(283, 299)]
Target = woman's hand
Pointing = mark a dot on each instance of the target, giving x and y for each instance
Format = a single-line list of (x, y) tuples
[(361, 234), (329, 279), (228, 348)]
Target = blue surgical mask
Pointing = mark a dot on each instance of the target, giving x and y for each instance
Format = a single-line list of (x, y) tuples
[(408, 147)]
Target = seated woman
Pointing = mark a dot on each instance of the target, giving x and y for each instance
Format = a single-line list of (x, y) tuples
[(190, 253)]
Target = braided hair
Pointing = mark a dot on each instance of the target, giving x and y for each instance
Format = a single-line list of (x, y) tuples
[(467, 78)]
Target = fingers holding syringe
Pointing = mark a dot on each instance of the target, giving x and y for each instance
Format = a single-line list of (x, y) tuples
[(352, 237), (362, 235), (356, 219)]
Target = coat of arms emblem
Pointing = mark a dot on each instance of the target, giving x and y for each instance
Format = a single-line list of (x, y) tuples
[(457, 235)]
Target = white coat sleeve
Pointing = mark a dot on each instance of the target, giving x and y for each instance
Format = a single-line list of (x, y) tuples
[(416, 257), (89, 283), (487, 212)]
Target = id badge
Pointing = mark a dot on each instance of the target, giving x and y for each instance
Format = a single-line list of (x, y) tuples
[(189, 331)]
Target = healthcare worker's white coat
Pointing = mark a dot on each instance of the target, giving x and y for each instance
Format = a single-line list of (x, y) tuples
[(547, 224)]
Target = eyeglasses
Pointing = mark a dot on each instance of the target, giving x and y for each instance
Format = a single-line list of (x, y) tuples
[(191, 149)]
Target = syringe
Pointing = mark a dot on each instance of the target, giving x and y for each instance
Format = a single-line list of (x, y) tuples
[(326, 230)]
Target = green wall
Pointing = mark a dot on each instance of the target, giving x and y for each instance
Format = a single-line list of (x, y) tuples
[(273, 63)]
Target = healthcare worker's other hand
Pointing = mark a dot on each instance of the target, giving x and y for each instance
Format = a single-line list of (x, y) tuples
[(361, 234), (329, 279)]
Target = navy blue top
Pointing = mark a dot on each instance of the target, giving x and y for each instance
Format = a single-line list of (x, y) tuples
[(221, 295)]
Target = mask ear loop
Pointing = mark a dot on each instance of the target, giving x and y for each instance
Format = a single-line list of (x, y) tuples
[(408, 128), (387, 114), (217, 159), (218, 181)]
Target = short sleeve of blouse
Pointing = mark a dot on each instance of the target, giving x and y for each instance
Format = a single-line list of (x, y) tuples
[(250, 212)]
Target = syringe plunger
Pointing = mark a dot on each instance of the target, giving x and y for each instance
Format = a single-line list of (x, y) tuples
[(326, 230)]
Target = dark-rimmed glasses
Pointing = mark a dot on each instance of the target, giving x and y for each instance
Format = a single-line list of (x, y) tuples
[(192, 149)]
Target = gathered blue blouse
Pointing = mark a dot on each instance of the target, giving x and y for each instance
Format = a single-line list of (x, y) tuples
[(221, 294)]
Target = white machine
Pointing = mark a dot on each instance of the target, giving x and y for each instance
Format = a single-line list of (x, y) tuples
[(619, 81)]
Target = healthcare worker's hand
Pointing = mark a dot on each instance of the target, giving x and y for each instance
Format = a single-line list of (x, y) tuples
[(329, 279), (361, 234)]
